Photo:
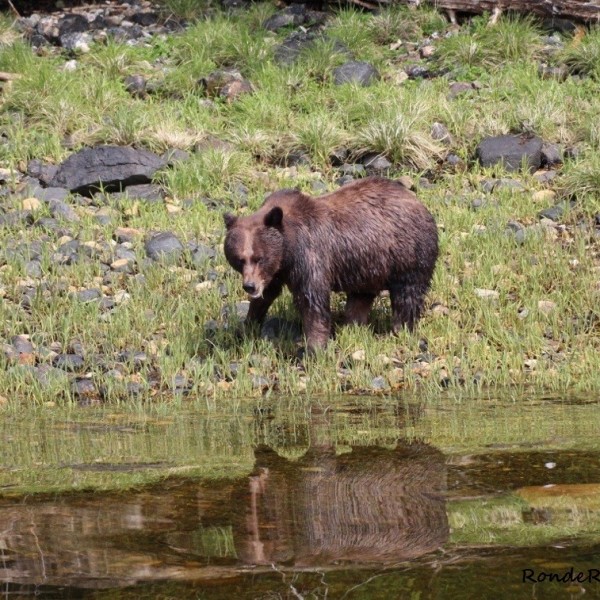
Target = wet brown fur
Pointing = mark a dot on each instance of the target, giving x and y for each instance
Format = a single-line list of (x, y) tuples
[(368, 236)]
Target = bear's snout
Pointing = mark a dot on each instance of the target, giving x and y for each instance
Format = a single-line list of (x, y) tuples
[(249, 287)]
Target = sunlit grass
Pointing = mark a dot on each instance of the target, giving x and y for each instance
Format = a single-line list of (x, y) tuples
[(473, 343)]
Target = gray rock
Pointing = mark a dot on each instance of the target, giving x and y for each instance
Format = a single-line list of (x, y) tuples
[(417, 72), (122, 266), (506, 183), (107, 303), (72, 23), (517, 231), (514, 226), (126, 253), (460, 87), (353, 169), (106, 215), (42, 171), (293, 15), (260, 382), (68, 362), (511, 151), (164, 245), (33, 268), (545, 176), (145, 18), (345, 179), (51, 225), (291, 48), (16, 218), (175, 155), (203, 254), (84, 389), (318, 187), (225, 83), (559, 72), (135, 85), (136, 358), (110, 168), (379, 384), (89, 295), (22, 344), (180, 384), (556, 212), (376, 163), (45, 194), (47, 375), (67, 253), (455, 161), (478, 203), (62, 210), (361, 73), (521, 236), (339, 156), (552, 154), (76, 42), (297, 159), (440, 133), (149, 192), (240, 309)]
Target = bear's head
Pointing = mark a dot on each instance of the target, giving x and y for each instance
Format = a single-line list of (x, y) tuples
[(254, 248)]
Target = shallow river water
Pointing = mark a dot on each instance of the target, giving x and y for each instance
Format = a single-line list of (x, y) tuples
[(335, 498)]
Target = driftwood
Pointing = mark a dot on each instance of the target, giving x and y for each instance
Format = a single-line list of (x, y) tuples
[(578, 10)]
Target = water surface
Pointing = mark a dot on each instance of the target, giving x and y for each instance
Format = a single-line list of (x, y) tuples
[(356, 498)]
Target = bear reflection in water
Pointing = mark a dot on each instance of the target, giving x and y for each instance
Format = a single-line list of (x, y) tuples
[(369, 505)]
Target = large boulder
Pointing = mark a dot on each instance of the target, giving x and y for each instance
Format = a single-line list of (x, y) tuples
[(108, 168), (511, 151)]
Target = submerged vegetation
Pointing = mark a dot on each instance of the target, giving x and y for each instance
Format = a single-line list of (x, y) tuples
[(515, 295)]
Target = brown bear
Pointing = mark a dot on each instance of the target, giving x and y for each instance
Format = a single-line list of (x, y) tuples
[(369, 235)]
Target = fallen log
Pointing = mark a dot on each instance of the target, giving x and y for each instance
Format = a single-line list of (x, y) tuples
[(579, 10)]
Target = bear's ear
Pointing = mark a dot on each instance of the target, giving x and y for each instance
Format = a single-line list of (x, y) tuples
[(229, 220), (274, 217)]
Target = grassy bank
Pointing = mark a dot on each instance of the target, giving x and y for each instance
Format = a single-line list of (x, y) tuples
[(538, 329)]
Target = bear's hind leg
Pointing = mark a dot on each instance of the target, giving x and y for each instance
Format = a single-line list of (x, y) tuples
[(358, 307), (408, 298)]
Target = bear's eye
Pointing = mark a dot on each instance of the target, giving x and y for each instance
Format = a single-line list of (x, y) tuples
[(257, 259)]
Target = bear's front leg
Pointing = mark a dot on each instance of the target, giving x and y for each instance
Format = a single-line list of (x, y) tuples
[(316, 322), (259, 306)]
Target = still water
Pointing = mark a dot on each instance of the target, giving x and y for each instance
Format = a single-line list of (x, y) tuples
[(347, 498)]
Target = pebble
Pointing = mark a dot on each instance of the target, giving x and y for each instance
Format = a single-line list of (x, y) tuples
[(486, 294), (379, 384), (358, 355), (543, 196), (122, 265), (546, 306), (32, 204)]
